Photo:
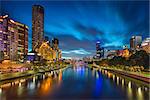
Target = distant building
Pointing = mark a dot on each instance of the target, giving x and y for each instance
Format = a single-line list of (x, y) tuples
[(119, 52), (135, 42), (146, 45), (55, 43), (126, 53), (123, 53), (13, 38), (99, 50), (46, 38), (37, 26), (111, 54)]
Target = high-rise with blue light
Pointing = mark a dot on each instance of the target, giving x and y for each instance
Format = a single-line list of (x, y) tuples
[(99, 50)]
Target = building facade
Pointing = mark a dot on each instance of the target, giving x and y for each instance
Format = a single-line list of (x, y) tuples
[(13, 38), (135, 42), (55, 43), (99, 50), (37, 26), (146, 45), (47, 52)]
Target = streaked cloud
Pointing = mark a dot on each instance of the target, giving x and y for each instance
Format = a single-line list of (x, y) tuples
[(78, 51)]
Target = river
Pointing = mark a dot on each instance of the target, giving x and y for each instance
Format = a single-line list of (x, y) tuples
[(74, 83)]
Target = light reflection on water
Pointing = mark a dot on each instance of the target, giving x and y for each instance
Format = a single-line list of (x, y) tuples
[(139, 91), (94, 83), (129, 92)]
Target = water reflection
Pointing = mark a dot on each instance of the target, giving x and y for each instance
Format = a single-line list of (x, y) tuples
[(45, 86), (140, 94), (78, 82), (20, 89), (129, 91), (117, 80), (1, 93), (123, 83), (0, 90)]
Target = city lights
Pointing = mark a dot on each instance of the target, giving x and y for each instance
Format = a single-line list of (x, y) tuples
[(80, 49)]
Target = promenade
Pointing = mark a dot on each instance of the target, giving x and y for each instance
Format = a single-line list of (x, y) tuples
[(145, 77)]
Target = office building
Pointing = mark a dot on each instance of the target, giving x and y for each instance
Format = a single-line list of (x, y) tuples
[(37, 26), (135, 42), (99, 50)]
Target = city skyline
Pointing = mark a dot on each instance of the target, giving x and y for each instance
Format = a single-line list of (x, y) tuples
[(78, 25)]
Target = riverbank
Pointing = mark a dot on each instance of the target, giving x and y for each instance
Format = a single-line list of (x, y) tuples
[(15, 75), (9, 76), (139, 76)]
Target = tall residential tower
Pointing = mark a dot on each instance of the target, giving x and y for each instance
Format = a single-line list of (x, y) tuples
[(13, 38), (37, 26)]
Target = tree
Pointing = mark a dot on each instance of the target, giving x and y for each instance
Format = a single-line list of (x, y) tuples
[(140, 58)]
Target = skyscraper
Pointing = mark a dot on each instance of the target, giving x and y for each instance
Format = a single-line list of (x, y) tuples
[(135, 42), (99, 50), (37, 26), (13, 38)]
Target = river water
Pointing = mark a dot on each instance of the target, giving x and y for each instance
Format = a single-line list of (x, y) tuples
[(74, 83)]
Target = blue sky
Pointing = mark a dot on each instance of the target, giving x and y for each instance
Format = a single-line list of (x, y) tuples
[(79, 24)]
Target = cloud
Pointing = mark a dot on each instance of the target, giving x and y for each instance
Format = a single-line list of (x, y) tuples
[(87, 29), (76, 53), (79, 51)]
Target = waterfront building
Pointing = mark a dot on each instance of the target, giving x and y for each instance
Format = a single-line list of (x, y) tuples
[(111, 54), (13, 38), (37, 26), (33, 57), (135, 42), (126, 53), (146, 45), (59, 54), (45, 51)]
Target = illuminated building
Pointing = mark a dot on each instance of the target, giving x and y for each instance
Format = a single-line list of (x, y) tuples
[(33, 57), (119, 52), (59, 54), (45, 51), (111, 54), (37, 26), (55, 43), (146, 45), (99, 50), (135, 42), (13, 38), (54, 54), (126, 53)]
